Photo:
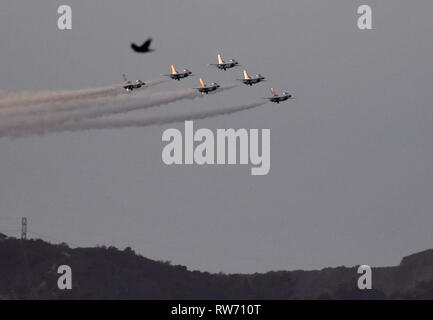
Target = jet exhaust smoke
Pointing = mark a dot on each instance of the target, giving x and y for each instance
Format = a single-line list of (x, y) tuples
[(31, 122), (27, 99), (155, 82), (154, 121)]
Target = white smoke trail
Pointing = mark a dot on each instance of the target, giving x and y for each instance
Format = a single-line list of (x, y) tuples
[(156, 82), (39, 124), (71, 102), (95, 124), (26, 99), (59, 105), (29, 124)]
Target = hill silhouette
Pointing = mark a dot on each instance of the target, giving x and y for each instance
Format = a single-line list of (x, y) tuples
[(28, 270)]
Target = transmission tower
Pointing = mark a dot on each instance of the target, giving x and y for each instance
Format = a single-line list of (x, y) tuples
[(23, 228)]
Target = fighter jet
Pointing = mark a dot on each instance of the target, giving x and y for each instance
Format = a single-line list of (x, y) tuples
[(143, 48), (225, 65), (250, 81), (129, 86), (178, 75), (279, 98), (206, 89)]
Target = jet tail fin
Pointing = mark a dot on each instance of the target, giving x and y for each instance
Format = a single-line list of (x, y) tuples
[(246, 76), (125, 78), (202, 83), (273, 92), (173, 69), (220, 59)]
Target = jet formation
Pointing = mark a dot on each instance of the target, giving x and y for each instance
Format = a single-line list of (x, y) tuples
[(204, 88)]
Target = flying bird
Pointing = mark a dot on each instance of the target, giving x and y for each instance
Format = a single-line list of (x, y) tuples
[(143, 48)]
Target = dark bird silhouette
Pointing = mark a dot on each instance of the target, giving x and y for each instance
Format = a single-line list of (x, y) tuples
[(143, 48)]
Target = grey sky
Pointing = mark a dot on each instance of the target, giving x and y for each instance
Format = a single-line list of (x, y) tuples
[(351, 178)]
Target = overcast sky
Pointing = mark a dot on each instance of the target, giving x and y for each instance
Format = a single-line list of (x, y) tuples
[(351, 179)]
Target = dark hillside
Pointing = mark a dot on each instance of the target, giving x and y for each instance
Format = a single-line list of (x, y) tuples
[(28, 270)]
